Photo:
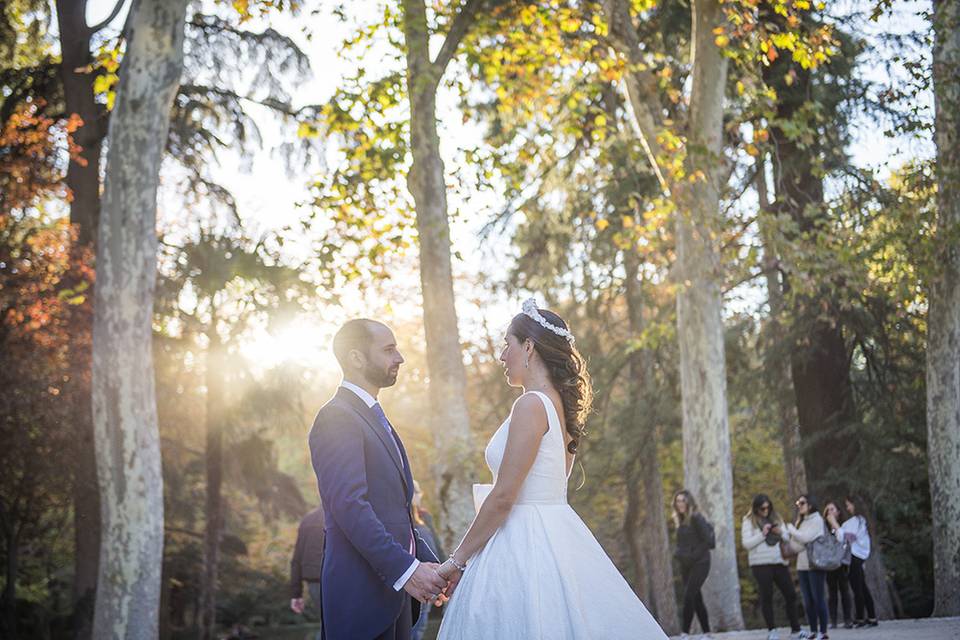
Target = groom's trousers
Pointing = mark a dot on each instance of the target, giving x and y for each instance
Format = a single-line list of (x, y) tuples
[(402, 627)]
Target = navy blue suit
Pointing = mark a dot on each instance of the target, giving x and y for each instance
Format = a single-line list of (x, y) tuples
[(366, 490)]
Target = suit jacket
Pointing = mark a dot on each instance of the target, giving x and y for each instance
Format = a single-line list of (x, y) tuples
[(308, 553), (367, 490)]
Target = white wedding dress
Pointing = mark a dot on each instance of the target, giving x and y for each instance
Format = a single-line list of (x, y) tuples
[(543, 574)]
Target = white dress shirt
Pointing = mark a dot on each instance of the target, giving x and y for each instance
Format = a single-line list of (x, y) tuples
[(369, 400)]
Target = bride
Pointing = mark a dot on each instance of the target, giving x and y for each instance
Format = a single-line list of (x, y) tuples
[(528, 567)]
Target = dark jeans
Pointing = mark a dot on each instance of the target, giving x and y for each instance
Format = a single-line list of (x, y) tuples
[(813, 585), (694, 575), (861, 594), (838, 585), (766, 576)]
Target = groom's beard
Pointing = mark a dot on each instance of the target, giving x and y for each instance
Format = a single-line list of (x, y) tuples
[(381, 378)]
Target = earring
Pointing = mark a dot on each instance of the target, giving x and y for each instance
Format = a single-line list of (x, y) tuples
[(526, 362)]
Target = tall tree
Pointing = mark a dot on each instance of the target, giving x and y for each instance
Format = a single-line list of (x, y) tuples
[(83, 179), (448, 410), (943, 341), (699, 274), (779, 376), (652, 529), (124, 404)]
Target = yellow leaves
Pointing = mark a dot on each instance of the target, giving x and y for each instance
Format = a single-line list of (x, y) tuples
[(528, 15), (307, 130), (569, 24), (722, 41), (602, 224), (627, 222), (600, 121)]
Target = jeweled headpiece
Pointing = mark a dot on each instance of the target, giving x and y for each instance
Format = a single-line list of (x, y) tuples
[(530, 310)]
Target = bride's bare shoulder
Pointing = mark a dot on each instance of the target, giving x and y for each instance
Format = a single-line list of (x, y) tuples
[(529, 412)]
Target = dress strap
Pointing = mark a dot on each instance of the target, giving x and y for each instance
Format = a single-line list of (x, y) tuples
[(552, 417)]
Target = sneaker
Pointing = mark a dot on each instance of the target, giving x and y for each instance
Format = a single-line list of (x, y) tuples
[(822, 636), (859, 624), (773, 635), (847, 624), (873, 623)]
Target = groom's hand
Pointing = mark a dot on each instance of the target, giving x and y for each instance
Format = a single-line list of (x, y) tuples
[(425, 584)]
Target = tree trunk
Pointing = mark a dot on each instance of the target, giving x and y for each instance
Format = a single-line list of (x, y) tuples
[(706, 433), (214, 463), (819, 362), (450, 421), (124, 397), (779, 376), (943, 339), (9, 598), (875, 570), (655, 539), (83, 180), (632, 532)]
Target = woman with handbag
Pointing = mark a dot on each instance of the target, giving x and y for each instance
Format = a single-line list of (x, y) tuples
[(838, 584), (762, 532), (809, 527), (856, 532), (695, 539)]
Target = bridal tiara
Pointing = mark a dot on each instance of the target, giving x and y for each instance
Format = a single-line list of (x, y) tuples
[(530, 310)]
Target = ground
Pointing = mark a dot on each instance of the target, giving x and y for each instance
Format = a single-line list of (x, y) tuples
[(924, 629)]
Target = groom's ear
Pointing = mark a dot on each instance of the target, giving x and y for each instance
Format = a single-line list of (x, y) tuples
[(357, 358)]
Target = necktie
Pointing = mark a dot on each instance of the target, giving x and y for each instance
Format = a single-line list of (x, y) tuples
[(382, 418)]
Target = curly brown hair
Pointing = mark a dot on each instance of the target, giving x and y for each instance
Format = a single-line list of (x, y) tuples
[(566, 367)]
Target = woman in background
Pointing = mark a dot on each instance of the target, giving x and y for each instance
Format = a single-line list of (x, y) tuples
[(838, 584), (761, 532), (695, 538), (856, 532), (809, 527)]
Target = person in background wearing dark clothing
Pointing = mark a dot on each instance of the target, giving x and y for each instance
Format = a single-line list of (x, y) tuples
[(695, 539), (423, 526), (307, 562), (761, 533), (838, 583)]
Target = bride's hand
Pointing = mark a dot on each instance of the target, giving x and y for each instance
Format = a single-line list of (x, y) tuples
[(449, 572)]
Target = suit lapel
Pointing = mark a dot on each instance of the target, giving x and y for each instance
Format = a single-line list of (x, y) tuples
[(370, 419)]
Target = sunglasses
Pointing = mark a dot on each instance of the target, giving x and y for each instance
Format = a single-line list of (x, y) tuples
[(800, 503), (764, 507)]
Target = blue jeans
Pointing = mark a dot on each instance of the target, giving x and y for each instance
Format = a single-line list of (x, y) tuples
[(813, 584), (421, 626)]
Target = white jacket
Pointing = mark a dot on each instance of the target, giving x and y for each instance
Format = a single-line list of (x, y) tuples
[(810, 529), (758, 551), (857, 525)]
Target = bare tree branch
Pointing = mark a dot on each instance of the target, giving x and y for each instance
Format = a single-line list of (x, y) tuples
[(458, 30)]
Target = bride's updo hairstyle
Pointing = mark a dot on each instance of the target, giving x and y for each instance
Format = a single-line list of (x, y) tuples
[(566, 367)]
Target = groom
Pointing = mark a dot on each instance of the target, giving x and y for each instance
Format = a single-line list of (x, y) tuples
[(376, 571)]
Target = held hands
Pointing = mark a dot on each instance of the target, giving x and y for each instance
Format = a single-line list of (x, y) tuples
[(766, 528), (450, 572), (296, 605), (426, 584)]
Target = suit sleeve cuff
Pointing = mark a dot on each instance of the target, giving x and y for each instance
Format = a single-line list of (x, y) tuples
[(406, 576)]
